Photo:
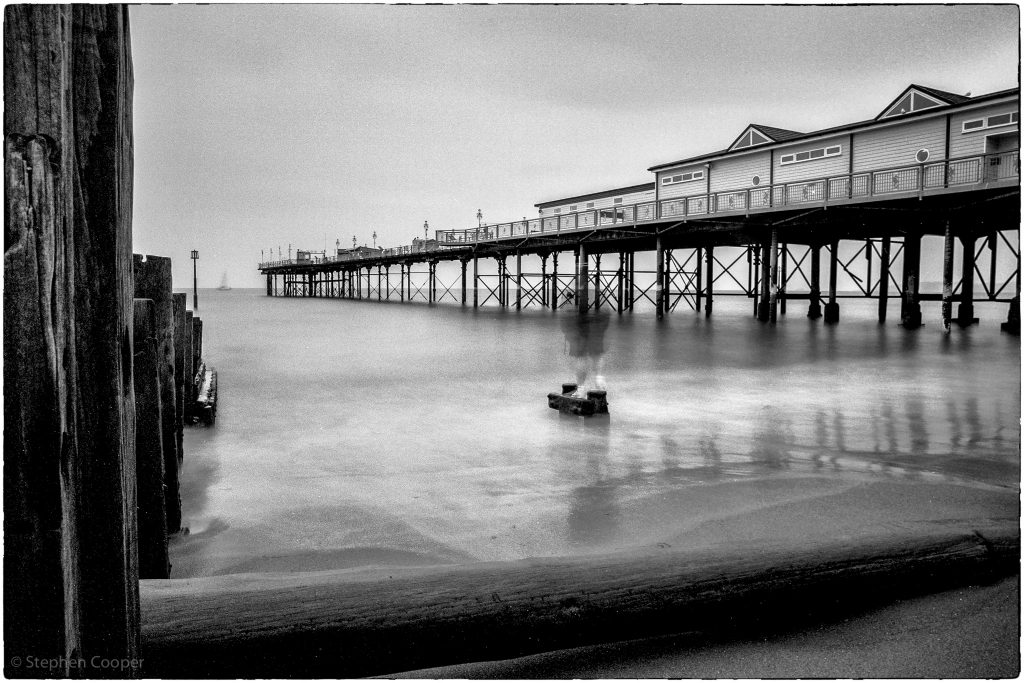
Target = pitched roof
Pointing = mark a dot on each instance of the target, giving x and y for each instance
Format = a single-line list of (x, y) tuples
[(942, 94), (954, 100), (598, 195), (776, 134)]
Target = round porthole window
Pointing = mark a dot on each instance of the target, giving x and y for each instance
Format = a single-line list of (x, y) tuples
[(756, 180), (922, 156)]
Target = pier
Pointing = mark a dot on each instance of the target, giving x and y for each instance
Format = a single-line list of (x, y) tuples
[(764, 241)]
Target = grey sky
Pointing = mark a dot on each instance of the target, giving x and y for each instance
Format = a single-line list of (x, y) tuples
[(260, 125)]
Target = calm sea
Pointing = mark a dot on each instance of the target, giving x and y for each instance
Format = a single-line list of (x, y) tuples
[(354, 433)]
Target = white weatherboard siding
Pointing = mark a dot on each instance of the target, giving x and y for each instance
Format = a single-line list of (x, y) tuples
[(897, 146), (603, 203), (738, 173), (687, 189), (826, 167), (965, 144)]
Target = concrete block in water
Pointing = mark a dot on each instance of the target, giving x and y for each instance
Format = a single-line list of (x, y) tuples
[(595, 403)]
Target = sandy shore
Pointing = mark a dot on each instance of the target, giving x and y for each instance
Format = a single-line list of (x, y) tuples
[(970, 632)]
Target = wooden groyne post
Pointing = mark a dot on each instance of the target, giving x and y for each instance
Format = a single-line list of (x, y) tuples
[(70, 567), (153, 281), (182, 347), (152, 513)]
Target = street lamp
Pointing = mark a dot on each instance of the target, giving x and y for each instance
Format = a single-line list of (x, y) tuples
[(425, 228), (374, 239), (195, 289), (479, 217)]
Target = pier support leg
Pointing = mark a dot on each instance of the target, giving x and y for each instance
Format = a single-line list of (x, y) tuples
[(783, 276), (270, 285), (431, 274), (519, 281), (709, 255), (476, 283), (910, 313), (597, 282), (554, 281), (583, 281), (631, 280), (774, 290), (814, 306), (965, 311), (621, 276), (832, 307), (659, 285), (883, 280), (763, 307), (462, 264), (543, 280), (947, 279), (380, 293), (1012, 324), (401, 282), (699, 294)]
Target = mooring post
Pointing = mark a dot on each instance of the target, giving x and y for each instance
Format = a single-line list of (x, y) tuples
[(910, 312), (783, 276), (832, 307), (476, 286), (709, 254), (149, 463), (947, 278), (519, 280), (1012, 324), (597, 282), (965, 311), (582, 279), (554, 281), (659, 286), (763, 307), (462, 264), (774, 291), (883, 279)]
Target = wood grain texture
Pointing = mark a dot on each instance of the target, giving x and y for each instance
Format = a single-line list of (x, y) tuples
[(354, 623), (152, 515), (68, 81)]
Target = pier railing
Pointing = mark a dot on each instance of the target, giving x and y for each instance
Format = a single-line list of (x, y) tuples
[(917, 178)]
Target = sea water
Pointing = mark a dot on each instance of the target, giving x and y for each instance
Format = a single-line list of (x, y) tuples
[(355, 433)]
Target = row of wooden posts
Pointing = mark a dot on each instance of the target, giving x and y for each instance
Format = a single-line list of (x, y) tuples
[(587, 290), (167, 371)]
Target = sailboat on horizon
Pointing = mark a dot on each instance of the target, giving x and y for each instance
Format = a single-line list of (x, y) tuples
[(224, 286)]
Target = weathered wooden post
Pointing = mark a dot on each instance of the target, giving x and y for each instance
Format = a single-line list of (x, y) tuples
[(197, 354), (947, 278), (659, 277), (582, 279), (190, 371), (763, 307), (910, 313), (70, 553), (965, 311), (149, 467), (710, 256), (832, 307), (153, 281), (883, 279), (178, 303), (774, 291)]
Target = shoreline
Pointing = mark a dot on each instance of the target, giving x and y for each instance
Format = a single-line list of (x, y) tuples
[(349, 623)]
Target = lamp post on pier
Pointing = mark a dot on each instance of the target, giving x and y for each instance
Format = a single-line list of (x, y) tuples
[(195, 290)]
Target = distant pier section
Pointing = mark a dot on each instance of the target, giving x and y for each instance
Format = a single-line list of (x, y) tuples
[(752, 220)]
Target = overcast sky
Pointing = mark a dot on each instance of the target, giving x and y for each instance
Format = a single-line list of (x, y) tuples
[(260, 126)]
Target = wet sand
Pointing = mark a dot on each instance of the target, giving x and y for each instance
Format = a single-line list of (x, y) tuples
[(965, 633)]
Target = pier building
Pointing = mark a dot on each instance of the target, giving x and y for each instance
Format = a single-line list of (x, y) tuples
[(756, 217)]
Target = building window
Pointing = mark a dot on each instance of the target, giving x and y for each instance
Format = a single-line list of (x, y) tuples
[(618, 200), (922, 155), (991, 122), (590, 205), (756, 180), (572, 208), (682, 177), (810, 155), (751, 138), (558, 210)]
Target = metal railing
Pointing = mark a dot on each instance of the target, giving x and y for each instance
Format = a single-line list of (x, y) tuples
[(918, 178)]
